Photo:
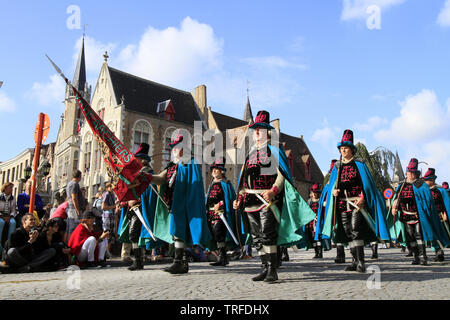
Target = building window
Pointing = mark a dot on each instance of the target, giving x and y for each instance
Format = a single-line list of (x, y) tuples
[(166, 148), (87, 155), (75, 161), (141, 133), (97, 157), (13, 172), (60, 173), (165, 110)]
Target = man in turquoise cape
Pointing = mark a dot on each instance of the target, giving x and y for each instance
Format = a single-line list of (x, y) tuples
[(418, 221), (442, 205), (273, 210), (180, 218), (131, 229), (340, 250), (355, 211), (219, 205)]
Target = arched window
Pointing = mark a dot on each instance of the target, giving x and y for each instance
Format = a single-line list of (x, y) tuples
[(166, 149), (87, 149), (142, 132), (101, 109)]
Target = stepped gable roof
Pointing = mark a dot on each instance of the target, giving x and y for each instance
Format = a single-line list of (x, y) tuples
[(143, 96)]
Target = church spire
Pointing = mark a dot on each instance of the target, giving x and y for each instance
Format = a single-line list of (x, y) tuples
[(398, 170), (79, 78), (248, 116)]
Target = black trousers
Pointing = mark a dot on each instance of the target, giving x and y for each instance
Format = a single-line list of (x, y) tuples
[(413, 233), (135, 227), (218, 230), (263, 228), (353, 225)]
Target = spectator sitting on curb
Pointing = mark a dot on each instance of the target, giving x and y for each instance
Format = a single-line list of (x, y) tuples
[(87, 245), (7, 213), (53, 238), (25, 251)]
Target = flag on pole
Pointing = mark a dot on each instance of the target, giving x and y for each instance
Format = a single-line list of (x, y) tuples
[(128, 180)]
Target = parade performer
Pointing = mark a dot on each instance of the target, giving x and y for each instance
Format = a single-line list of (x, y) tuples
[(442, 205), (445, 187), (219, 209), (310, 228), (340, 250), (355, 210), (135, 219), (274, 210), (418, 220), (180, 215)]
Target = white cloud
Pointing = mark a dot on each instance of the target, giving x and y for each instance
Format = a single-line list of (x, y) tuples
[(357, 9), (327, 136), (371, 124), (444, 15), (421, 131), (421, 118), (174, 56), (48, 93), (273, 62), (6, 103), (437, 155)]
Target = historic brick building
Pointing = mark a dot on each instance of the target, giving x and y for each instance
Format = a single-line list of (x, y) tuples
[(139, 110)]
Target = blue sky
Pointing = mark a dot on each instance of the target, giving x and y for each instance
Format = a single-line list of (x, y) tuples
[(319, 66)]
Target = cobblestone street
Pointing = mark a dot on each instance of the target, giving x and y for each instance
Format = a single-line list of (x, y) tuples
[(300, 278)]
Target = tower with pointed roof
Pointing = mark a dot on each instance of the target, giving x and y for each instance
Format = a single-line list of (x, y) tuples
[(67, 149), (248, 115)]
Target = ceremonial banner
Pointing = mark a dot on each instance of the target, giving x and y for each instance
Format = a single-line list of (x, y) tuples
[(123, 168)]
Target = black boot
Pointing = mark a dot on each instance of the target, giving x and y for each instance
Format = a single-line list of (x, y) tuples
[(360, 256), (279, 261), (316, 250), (185, 262), (410, 251), (439, 255), (179, 265), (340, 254), (138, 263), (415, 252), (284, 254), (423, 254), (319, 252), (223, 260), (354, 264), (265, 266), (272, 271), (374, 251)]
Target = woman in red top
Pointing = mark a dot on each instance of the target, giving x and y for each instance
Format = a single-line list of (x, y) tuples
[(87, 245), (60, 212)]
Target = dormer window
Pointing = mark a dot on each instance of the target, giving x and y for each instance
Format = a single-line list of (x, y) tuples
[(165, 110)]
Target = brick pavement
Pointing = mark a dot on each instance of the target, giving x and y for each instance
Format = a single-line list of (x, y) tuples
[(301, 278)]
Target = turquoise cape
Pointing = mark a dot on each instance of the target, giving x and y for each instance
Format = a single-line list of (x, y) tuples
[(374, 205), (148, 205), (432, 228), (187, 217), (321, 213), (295, 212)]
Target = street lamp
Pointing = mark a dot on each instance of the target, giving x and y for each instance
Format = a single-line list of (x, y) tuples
[(28, 171), (46, 169)]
